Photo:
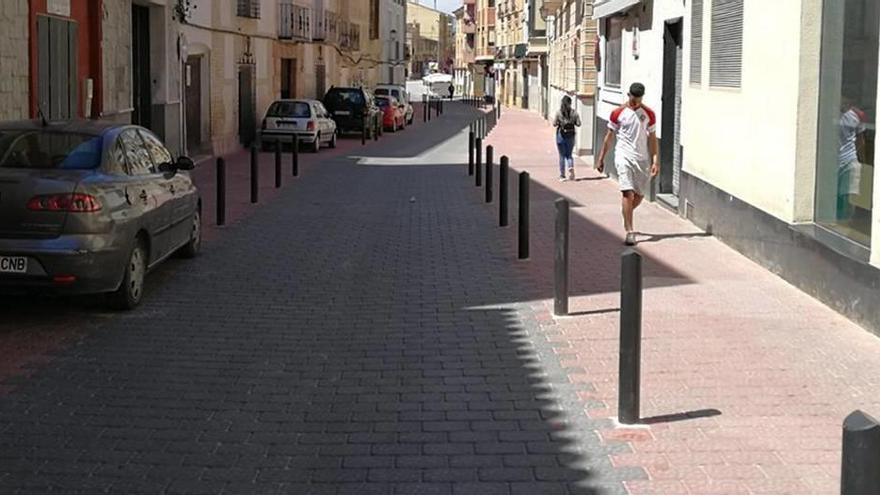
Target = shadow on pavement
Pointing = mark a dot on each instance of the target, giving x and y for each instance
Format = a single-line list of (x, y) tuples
[(344, 340)]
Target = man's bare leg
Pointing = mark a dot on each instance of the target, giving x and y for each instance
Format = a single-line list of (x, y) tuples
[(629, 205)]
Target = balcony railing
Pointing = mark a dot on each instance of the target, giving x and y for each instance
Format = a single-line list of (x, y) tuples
[(294, 21)]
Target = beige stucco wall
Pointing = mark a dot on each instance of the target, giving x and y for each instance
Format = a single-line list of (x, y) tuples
[(14, 90), (746, 141), (116, 57)]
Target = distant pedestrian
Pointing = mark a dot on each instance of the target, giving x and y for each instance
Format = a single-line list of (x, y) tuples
[(635, 155), (451, 90), (566, 122)]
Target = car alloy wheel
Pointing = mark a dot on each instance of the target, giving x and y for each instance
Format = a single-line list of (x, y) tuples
[(316, 147), (333, 141), (191, 248), (131, 291)]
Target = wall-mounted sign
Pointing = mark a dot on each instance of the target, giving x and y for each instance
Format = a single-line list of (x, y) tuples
[(58, 7)]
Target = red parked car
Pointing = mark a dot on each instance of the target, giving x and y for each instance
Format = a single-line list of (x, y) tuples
[(393, 112)]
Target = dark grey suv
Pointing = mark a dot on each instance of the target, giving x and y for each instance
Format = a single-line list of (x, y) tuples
[(88, 208)]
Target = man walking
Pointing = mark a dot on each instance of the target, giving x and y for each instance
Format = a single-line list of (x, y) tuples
[(635, 155)]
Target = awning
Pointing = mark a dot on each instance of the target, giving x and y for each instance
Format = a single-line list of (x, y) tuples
[(608, 7)]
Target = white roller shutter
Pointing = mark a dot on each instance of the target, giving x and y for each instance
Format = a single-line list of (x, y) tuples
[(696, 41), (725, 66)]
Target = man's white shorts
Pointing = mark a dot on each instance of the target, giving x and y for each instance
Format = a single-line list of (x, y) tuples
[(633, 175)]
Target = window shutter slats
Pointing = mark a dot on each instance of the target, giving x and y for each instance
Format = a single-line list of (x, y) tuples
[(725, 69), (697, 41)]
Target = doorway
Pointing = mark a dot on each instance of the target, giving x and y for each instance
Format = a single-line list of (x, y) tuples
[(58, 95), (670, 142), (193, 94), (288, 78), (320, 81), (140, 66)]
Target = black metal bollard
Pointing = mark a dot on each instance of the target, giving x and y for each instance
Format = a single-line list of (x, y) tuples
[(377, 129), (485, 127), (560, 293), (490, 155), (503, 191), (860, 472), (430, 107), (424, 108), (221, 191), (471, 143), (295, 155), (255, 175), (630, 337), (478, 167), (523, 215), (277, 164)]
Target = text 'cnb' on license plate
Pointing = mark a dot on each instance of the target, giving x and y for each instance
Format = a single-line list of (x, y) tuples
[(13, 264)]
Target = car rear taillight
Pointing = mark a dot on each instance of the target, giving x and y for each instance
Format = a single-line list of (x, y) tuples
[(72, 203), (310, 126)]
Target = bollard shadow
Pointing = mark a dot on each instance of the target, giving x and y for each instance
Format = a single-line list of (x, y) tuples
[(684, 416), (649, 238), (594, 312)]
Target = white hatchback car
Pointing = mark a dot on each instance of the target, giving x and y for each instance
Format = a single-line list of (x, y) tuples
[(306, 119)]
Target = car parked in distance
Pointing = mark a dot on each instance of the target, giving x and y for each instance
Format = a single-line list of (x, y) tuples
[(393, 113), (402, 96), (351, 108), (306, 119), (89, 207)]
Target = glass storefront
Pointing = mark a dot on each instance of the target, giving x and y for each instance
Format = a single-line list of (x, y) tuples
[(848, 117)]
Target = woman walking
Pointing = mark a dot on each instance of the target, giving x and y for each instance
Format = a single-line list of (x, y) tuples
[(566, 121)]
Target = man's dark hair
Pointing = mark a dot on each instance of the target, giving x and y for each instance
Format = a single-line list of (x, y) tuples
[(637, 90)]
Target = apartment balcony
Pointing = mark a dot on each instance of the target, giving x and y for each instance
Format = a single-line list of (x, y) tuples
[(470, 2), (469, 27), (550, 7), (295, 22)]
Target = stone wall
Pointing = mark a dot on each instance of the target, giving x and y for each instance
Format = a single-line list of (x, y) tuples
[(14, 90)]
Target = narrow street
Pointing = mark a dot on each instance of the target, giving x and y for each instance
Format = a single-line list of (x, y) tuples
[(365, 331)]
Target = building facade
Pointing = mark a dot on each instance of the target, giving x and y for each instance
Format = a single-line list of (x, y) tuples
[(767, 121), (484, 69), (465, 47), (431, 38), (573, 63)]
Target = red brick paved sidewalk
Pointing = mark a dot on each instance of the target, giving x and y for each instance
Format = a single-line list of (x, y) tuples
[(721, 335)]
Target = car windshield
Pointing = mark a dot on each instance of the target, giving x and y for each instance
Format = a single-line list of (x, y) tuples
[(345, 98), (296, 109), (48, 149), (385, 91)]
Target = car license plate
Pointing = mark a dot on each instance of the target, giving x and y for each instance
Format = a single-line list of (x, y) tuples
[(342, 112), (13, 264)]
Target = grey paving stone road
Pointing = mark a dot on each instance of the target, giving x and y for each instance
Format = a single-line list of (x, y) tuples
[(368, 331)]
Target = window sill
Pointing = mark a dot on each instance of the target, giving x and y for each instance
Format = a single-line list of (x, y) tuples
[(837, 242)]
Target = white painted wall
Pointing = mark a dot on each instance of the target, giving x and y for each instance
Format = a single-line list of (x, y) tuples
[(745, 141), (647, 22)]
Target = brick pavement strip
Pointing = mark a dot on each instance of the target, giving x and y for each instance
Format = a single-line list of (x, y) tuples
[(342, 339), (746, 380)]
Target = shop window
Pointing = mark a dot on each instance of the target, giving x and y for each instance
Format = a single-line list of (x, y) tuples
[(848, 117)]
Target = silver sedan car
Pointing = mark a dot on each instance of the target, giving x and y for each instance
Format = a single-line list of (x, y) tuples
[(87, 207)]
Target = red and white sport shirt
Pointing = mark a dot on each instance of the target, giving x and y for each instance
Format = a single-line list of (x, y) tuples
[(633, 127)]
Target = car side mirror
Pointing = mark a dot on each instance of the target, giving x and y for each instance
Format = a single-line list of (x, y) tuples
[(185, 163)]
